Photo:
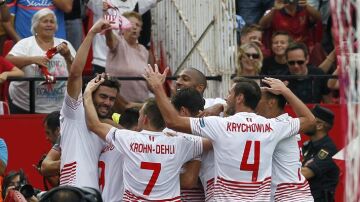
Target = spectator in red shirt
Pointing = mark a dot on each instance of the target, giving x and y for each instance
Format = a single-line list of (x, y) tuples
[(294, 16)]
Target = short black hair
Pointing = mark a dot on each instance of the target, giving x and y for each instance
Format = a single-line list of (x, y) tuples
[(129, 118), (250, 89), (152, 111), (189, 98), (281, 101), (200, 77), (111, 82), (297, 46), (73, 194), (52, 120)]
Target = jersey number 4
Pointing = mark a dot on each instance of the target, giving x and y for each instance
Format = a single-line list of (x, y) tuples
[(254, 167), (156, 167)]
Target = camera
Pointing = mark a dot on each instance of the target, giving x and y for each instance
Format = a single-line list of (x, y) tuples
[(27, 190)]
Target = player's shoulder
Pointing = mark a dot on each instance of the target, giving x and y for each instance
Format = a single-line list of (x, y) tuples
[(283, 118)]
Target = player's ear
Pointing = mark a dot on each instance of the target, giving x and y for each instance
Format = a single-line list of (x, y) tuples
[(145, 120), (239, 98), (184, 111)]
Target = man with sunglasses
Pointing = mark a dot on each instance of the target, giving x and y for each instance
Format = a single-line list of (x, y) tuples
[(309, 90)]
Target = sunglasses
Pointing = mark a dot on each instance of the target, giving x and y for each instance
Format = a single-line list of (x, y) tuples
[(253, 55), (299, 62)]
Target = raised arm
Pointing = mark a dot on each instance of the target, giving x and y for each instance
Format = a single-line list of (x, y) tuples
[(111, 40), (64, 5), (171, 117), (92, 120), (307, 119), (75, 75), (266, 20), (6, 22)]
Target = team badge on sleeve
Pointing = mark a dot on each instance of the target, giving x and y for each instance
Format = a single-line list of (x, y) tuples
[(322, 154)]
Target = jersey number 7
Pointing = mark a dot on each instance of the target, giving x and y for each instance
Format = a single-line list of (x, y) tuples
[(156, 167), (254, 167)]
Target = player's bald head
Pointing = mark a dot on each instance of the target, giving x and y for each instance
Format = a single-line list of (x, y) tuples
[(192, 78)]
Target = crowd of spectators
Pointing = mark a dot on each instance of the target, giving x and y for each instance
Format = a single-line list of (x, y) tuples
[(271, 28)]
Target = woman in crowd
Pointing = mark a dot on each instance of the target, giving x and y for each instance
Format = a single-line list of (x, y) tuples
[(128, 58), (30, 53), (249, 60)]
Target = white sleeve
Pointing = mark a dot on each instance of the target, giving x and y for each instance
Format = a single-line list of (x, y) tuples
[(289, 127), (192, 146), (208, 127), (73, 109), (21, 48), (118, 137)]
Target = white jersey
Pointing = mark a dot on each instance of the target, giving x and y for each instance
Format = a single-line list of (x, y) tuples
[(243, 147), (207, 174), (152, 162), (80, 148), (197, 193), (207, 171), (287, 182), (111, 174)]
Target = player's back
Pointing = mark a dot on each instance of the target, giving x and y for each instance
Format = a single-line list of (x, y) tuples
[(152, 163), (287, 183), (243, 147)]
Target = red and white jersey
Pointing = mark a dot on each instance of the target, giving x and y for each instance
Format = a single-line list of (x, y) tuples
[(194, 195), (197, 193), (152, 162), (80, 148), (111, 181), (287, 182), (243, 147), (207, 173)]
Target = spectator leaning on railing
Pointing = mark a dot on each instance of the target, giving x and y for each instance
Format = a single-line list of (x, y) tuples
[(28, 54)]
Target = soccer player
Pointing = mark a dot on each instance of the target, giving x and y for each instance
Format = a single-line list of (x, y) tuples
[(243, 143), (189, 102), (111, 162), (79, 148), (287, 182), (193, 78), (152, 160)]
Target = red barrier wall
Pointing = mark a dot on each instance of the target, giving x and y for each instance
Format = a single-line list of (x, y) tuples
[(25, 138)]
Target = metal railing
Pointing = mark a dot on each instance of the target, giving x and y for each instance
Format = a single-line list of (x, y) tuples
[(210, 78), (32, 81)]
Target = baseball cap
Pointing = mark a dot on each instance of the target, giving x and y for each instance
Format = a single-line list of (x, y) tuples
[(323, 113)]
